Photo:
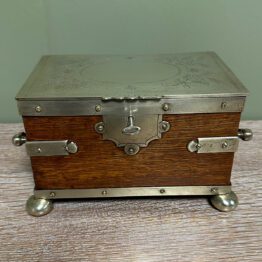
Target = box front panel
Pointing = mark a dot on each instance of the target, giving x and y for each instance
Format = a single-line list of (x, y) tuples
[(100, 164)]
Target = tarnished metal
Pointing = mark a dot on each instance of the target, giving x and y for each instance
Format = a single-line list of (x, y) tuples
[(45, 148), (131, 149), (19, 139), (140, 77), (50, 148), (165, 106), (114, 129), (214, 144), (38, 207), (100, 127), (99, 85), (38, 109), (225, 202), (132, 137), (131, 93), (133, 192), (164, 126), (131, 128), (245, 134), (98, 108), (79, 107), (71, 147)]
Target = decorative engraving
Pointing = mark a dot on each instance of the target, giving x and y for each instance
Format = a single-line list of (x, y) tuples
[(136, 77), (195, 71)]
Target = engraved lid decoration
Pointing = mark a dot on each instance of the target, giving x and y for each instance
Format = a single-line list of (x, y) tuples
[(131, 77)]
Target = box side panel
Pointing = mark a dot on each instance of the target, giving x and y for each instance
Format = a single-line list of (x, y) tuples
[(100, 164)]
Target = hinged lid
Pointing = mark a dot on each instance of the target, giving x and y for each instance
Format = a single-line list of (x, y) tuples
[(190, 75)]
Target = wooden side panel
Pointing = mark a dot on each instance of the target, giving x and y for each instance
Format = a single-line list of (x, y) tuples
[(99, 163)]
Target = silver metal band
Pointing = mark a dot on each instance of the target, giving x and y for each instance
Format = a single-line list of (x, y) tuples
[(46, 148), (132, 192), (78, 107), (214, 144)]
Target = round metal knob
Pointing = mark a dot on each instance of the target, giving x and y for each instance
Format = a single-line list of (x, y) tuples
[(71, 147), (245, 134), (19, 139)]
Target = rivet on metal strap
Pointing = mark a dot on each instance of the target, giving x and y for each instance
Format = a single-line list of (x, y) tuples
[(98, 108), (38, 109), (165, 107), (100, 127), (164, 126), (131, 149)]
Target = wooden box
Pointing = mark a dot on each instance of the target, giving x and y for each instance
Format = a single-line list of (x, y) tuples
[(122, 126)]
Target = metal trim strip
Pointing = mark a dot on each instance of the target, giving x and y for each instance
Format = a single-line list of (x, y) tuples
[(87, 106), (214, 144), (47, 148), (132, 192)]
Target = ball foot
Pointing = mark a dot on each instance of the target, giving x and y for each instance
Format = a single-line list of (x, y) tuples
[(38, 207), (226, 202)]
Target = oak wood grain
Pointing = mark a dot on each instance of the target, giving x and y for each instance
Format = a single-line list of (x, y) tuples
[(148, 229), (100, 164)]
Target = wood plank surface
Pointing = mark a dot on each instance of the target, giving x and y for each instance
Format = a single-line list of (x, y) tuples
[(155, 229), (100, 164)]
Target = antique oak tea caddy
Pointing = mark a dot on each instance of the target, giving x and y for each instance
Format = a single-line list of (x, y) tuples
[(123, 126)]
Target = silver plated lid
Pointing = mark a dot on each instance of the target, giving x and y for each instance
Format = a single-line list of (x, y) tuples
[(188, 75)]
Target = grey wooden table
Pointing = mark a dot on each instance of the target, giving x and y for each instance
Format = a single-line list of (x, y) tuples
[(158, 229)]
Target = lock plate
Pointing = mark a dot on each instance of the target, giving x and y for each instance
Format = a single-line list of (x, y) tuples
[(150, 128)]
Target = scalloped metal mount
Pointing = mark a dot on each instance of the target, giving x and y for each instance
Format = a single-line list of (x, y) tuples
[(148, 128)]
